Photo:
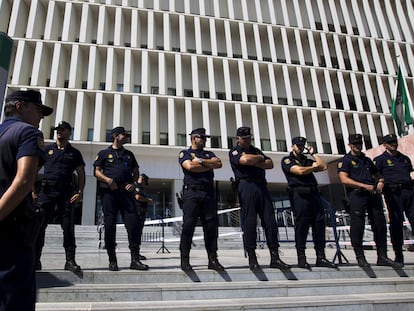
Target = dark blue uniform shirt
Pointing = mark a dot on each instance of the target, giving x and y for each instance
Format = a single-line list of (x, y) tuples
[(117, 164), (61, 163), (395, 169), (19, 140), (193, 178), (360, 169), (246, 171), (298, 180)]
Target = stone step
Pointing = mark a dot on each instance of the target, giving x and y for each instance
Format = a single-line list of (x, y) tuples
[(338, 302)]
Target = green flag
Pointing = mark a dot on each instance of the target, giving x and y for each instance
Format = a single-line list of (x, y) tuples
[(400, 109)]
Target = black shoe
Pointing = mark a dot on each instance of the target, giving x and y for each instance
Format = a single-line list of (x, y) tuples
[(302, 263), (323, 262), (362, 261), (185, 266), (213, 264), (113, 265), (142, 257), (386, 262), (253, 264), (138, 265), (279, 264), (72, 266), (399, 259)]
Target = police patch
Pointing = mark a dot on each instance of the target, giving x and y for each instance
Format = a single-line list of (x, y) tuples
[(193, 155), (234, 152), (50, 152), (110, 156), (287, 161), (340, 164), (181, 155), (97, 157)]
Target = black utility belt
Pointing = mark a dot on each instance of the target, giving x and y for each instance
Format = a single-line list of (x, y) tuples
[(397, 187), (304, 189), (56, 183), (253, 180), (207, 187)]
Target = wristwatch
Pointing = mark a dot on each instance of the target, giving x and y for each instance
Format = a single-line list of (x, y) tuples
[(200, 161)]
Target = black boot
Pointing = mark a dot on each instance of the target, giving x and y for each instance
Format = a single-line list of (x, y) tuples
[(275, 261), (71, 264), (360, 257), (213, 262), (302, 263), (136, 264), (185, 260), (253, 264), (399, 257), (383, 260), (113, 263), (321, 260)]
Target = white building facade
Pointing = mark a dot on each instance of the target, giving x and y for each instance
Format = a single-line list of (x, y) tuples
[(316, 68)]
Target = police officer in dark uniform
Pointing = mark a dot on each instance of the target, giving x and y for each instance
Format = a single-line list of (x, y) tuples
[(21, 155), (397, 186), (359, 174), (249, 164), (116, 170), (58, 193), (199, 199), (305, 199), (142, 200)]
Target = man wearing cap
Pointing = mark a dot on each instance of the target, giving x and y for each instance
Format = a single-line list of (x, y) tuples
[(199, 199), (359, 175), (249, 164), (142, 200), (58, 192), (116, 170), (306, 201), (21, 155), (397, 186)]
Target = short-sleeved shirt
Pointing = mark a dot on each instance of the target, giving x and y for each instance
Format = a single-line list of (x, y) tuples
[(19, 139), (395, 169), (246, 171), (196, 178), (360, 168), (118, 164), (61, 163), (294, 180)]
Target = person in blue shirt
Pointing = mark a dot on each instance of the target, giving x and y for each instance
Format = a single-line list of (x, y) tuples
[(249, 165), (306, 202), (21, 155), (58, 192), (397, 186), (117, 170), (359, 175), (199, 198)]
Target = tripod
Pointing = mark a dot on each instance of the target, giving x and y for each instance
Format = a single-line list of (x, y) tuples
[(163, 248)]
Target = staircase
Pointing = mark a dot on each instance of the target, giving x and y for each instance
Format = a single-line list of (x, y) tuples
[(166, 287)]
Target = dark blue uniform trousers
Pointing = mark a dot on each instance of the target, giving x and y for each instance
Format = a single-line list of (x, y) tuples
[(399, 202), (360, 202), (123, 201), (199, 204), (255, 200), (309, 212)]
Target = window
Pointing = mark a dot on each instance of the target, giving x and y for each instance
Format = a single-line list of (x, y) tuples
[(181, 140), (204, 94), (297, 102), (325, 104), (215, 142), (327, 148), (222, 54), (84, 85), (282, 101), (311, 103), (154, 89), (120, 87), (267, 99), (90, 134), (221, 95), (171, 91), (188, 93), (163, 138), (252, 98), (281, 145), (146, 138), (236, 97), (231, 142), (266, 146), (65, 84), (137, 88), (102, 86)]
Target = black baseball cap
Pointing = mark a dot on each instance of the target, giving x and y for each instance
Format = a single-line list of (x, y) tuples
[(299, 140), (390, 138), (63, 125), (244, 132), (118, 130), (199, 131), (30, 96), (145, 178), (355, 139)]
